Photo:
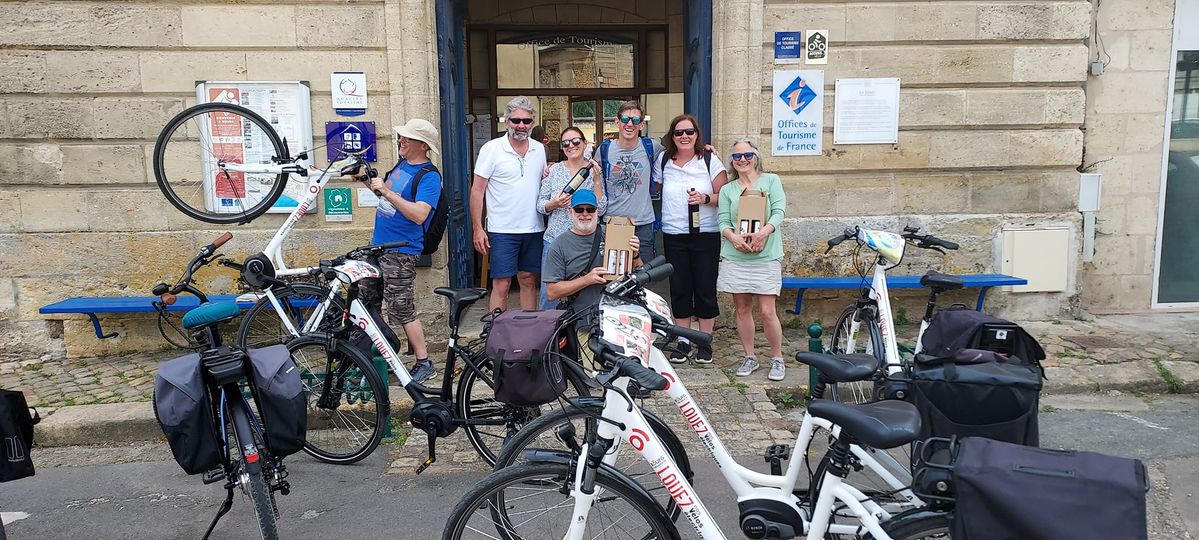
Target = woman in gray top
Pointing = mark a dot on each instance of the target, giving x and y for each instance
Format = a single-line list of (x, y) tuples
[(553, 202)]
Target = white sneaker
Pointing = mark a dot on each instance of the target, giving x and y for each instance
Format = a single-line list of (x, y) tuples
[(749, 366), (778, 369)]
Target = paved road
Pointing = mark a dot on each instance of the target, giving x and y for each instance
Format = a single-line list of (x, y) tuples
[(136, 491)]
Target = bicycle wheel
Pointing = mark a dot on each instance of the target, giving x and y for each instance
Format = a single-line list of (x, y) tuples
[(533, 501), (868, 341), (543, 433), (190, 148), (262, 327), (253, 480), (934, 526), (489, 422), (348, 402)]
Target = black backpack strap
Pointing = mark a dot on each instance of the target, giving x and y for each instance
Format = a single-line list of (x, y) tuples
[(415, 183)]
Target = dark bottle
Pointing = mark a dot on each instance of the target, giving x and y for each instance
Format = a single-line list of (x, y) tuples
[(577, 180), (693, 212)]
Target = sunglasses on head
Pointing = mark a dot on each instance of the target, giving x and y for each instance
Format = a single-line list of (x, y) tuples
[(584, 209), (567, 143), (636, 120), (743, 157), (525, 121), (681, 132)]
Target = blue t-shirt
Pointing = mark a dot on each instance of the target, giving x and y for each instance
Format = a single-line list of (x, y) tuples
[(391, 225)]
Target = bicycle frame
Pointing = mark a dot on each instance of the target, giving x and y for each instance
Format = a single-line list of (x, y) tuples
[(886, 323), (746, 483)]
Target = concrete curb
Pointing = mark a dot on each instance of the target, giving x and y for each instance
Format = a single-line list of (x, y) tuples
[(109, 423)]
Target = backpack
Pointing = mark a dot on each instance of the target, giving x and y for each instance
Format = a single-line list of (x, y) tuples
[(951, 330), (524, 348), (16, 436), (439, 216)]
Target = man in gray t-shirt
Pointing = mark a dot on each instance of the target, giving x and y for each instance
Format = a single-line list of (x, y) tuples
[(569, 270), (627, 173)]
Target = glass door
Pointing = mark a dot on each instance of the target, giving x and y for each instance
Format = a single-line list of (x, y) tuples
[(1178, 266)]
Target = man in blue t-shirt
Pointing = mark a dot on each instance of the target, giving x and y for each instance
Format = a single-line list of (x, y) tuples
[(402, 215)]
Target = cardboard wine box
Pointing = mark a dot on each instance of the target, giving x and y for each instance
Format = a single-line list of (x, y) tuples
[(618, 258), (751, 211)]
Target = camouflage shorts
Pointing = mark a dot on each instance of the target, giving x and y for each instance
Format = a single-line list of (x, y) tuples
[(392, 294)]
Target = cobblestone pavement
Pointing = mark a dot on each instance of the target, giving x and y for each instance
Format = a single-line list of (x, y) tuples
[(61, 382)]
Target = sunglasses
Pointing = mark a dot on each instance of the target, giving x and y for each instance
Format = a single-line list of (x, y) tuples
[(584, 209), (635, 120), (567, 143), (681, 132), (518, 121), (743, 157)]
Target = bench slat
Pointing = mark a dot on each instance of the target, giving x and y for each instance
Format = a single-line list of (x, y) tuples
[(980, 281), (131, 304)]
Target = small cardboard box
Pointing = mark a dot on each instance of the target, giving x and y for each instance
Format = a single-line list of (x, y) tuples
[(618, 258), (751, 211)]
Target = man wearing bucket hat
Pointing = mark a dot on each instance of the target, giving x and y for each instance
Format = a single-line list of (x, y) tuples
[(408, 195)]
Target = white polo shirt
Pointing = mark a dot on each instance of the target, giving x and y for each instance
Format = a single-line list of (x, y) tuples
[(512, 185), (677, 182)]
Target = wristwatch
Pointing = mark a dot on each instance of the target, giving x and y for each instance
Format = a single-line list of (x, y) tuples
[(707, 199)]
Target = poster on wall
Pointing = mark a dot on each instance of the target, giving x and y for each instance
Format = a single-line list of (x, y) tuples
[(798, 100), (287, 107), (866, 111)]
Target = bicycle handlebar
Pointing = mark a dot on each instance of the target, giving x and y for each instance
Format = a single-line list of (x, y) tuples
[(625, 366), (696, 336)]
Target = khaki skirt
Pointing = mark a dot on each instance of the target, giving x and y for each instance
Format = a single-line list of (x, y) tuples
[(756, 277)]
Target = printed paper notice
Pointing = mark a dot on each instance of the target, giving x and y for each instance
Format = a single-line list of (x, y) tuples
[(367, 198), (866, 111), (798, 99)]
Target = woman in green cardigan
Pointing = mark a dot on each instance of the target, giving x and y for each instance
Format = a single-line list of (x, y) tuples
[(750, 265)]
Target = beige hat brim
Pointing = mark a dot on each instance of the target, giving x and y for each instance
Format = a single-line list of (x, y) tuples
[(403, 131)]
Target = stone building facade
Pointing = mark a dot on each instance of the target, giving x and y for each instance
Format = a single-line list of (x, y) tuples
[(998, 115)]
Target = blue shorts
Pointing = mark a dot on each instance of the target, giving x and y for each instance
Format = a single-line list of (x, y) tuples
[(512, 252)]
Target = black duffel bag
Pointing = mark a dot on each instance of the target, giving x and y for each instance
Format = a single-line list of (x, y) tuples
[(282, 401), (1012, 492), (977, 393), (523, 347), (16, 436), (951, 330)]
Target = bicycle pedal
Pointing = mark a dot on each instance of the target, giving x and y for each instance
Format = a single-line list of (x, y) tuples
[(425, 465), (213, 476), (775, 455)]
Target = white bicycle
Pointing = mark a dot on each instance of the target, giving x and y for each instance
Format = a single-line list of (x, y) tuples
[(561, 496)]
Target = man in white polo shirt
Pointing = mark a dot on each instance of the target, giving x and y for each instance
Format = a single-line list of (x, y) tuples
[(508, 176)]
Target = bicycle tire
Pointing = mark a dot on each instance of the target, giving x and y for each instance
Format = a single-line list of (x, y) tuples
[(261, 327), (488, 502), (542, 430), (186, 187), (933, 526), (258, 490), (475, 403), (858, 391), (357, 405)]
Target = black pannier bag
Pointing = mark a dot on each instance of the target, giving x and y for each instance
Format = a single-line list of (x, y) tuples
[(16, 436), (184, 411), (282, 401), (1011, 492), (976, 393), (951, 330), (517, 344)]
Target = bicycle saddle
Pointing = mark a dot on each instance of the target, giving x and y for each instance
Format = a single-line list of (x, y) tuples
[(460, 299), (882, 424), (841, 368), (210, 313), (941, 282)]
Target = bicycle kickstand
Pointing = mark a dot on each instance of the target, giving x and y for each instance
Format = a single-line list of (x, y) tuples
[(225, 506)]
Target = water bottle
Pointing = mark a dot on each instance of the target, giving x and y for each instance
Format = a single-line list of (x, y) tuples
[(693, 211), (577, 180)]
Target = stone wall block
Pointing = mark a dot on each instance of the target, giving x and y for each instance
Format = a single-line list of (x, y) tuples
[(128, 210), (951, 149), (1050, 63), (50, 118), (138, 25), (1045, 147), (809, 196), (998, 107), (92, 71), (1117, 47), (178, 71), (1042, 20), (355, 26), (1136, 15), (10, 212), (22, 72), (1059, 191), (1065, 106), (862, 196), (929, 108), (271, 25), (312, 66), (104, 164), (1144, 133), (133, 118), (1141, 214), (1005, 193), (931, 194), (1150, 50), (783, 17), (45, 24), (375, 65), (912, 152), (30, 164), (69, 215)]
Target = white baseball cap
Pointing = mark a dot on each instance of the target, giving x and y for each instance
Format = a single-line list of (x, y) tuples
[(420, 130)]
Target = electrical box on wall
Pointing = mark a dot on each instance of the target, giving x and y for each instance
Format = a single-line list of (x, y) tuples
[(1040, 254)]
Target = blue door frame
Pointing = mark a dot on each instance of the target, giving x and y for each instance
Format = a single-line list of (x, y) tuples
[(455, 136)]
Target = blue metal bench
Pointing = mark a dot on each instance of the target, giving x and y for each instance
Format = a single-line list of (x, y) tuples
[(982, 281), (90, 306)]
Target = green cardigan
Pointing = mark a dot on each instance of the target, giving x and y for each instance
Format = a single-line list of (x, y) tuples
[(730, 196)]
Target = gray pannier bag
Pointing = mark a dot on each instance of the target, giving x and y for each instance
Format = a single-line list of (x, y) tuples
[(184, 412), (282, 401)]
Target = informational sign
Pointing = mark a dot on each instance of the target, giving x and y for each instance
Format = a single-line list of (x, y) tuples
[(788, 47), (817, 46), (350, 138), (287, 107), (798, 100), (367, 198), (349, 92), (866, 111), (338, 205)]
